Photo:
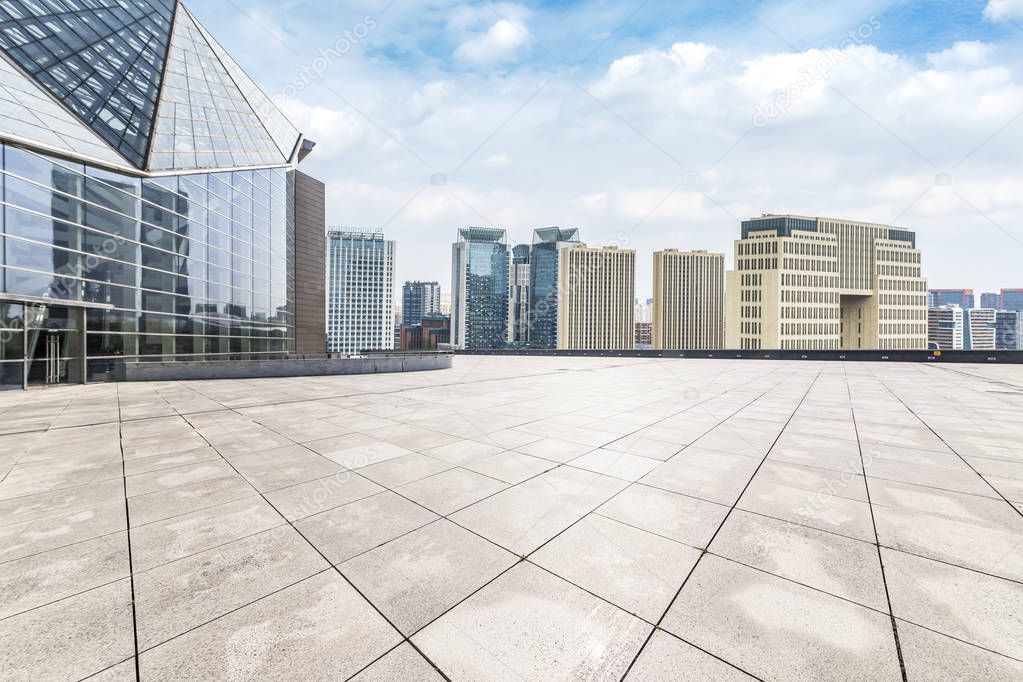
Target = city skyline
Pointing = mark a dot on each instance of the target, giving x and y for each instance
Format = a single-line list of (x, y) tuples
[(891, 135)]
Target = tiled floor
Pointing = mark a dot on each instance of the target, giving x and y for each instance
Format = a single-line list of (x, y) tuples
[(519, 518)]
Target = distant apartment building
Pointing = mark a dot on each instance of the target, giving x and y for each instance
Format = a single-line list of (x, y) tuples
[(689, 300), (544, 268), (979, 329), (518, 296), (430, 333), (360, 292), (803, 283), (419, 300), (644, 335), (479, 289), (939, 298), (945, 328), (596, 298), (1009, 330), (989, 300)]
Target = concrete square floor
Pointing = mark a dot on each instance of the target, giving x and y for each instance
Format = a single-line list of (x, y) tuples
[(519, 518)]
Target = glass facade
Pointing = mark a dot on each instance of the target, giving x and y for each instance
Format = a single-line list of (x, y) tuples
[(186, 267), (102, 59), (360, 292), (418, 301), (543, 289), (480, 262), (939, 298)]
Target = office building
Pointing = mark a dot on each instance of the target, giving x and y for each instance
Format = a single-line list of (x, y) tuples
[(430, 333), (1009, 330), (419, 300), (689, 300), (825, 284), (544, 270), (993, 301), (153, 210), (945, 328), (479, 289), (518, 296), (596, 298), (360, 292), (1011, 299), (979, 329), (939, 298)]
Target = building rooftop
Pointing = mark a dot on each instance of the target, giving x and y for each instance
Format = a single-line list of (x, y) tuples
[(520, 518)]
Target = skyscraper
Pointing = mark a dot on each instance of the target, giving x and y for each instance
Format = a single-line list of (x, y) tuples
[(825, 284), (479, 289), (945, 328), (1011, 299), (993, 301), (964, 298), (544, 259), (689, 300), (1009, 330), (154, 210), (360, 298), (596, 298), (419, 300), (518, 299)]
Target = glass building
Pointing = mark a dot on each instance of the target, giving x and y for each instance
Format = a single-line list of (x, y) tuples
[(1011, 299), (518, 296), (543, 290), (479, 289), (360, 292), (1009, 330), (939, 298), (418, 301), (152, 209)]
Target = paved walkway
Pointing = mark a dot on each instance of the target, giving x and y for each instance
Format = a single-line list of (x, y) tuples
[(519, 518)]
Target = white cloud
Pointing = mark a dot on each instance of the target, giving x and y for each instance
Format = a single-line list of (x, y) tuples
[(1003, 10), (865, 140), (503, 41)]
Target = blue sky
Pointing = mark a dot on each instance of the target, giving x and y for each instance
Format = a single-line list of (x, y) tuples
[(637, 122)]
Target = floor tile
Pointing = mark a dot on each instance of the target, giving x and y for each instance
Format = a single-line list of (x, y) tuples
[(531, 625), (685, 519), (403, 663), (616, 464), (451, 490), (299, 501), (668, 658)]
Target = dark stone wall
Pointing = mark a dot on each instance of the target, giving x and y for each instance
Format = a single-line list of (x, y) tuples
[(310, 265)]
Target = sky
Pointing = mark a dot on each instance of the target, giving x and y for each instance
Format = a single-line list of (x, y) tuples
[(653, 124)]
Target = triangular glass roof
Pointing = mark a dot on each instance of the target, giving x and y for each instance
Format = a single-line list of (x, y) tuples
[(205, 119), (30, 115), (101, 59)]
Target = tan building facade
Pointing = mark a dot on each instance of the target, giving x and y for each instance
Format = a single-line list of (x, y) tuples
[(596, 298), (689, 300), (825, 284)]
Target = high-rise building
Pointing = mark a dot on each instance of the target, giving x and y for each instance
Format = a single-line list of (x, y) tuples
[(964, 298), (153, 209), (518, 296), (419, 300), (825, 284), (1009, 330), (993, 301), (945, 328), (479, 289), (1011, 299), (544, 259), (689, 300), (979, 329), (596, 298), (360, 293), (645, 310), (644, 335)]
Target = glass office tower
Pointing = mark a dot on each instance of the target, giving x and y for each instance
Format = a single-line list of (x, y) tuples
[(419, 300), (151, 203), (479, 289), (543, 285)]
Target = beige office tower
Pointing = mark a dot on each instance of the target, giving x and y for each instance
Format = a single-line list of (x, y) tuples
[(596, 298), (689, 300), (825, 284)]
